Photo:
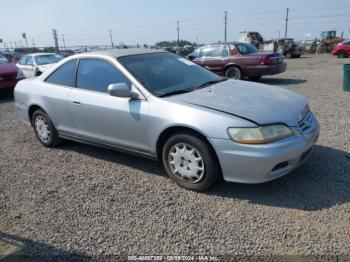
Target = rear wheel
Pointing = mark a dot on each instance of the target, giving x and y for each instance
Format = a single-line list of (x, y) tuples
[(341, 54), (233, 72), (289, 56), (44, 129), (190, 162)]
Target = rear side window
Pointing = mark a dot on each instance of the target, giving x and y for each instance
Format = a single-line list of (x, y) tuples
[(64, 75), (245, 48), (224, 51), (210, 51), (96, 75), (29, 60)]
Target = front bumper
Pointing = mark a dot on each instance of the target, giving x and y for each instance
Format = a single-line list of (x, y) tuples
[(262, 163)]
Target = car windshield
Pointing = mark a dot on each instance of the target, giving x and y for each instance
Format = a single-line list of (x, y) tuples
[(165, 73), (47, 59), (245, 48)]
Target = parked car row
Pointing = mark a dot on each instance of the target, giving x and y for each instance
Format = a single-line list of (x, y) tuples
[(234, 60), (27, 66), (9, 73), (35, 64)]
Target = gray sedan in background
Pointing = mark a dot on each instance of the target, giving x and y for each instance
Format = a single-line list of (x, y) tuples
[(162, 106)]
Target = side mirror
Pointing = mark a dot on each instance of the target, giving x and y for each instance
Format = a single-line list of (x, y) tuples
[(122, 90)]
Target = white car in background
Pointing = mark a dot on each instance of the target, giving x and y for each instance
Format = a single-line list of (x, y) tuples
[(35, 64)]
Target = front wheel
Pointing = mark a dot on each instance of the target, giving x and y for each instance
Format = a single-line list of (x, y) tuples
[(233, 72), (44, 129), (190, 162), (341, 54)]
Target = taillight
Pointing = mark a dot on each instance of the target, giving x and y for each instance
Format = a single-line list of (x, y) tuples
[(269, 60)]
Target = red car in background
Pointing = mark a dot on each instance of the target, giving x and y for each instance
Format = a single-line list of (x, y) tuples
[(9, 74), (342, 50), (238, 60)]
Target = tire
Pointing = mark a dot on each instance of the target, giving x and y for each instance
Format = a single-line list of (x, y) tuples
[(233, 72), (44, 129), (254, 78), (289, 56), (181, 166), (341, 54)]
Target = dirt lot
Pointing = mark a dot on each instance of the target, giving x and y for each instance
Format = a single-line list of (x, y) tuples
[(78, 200)]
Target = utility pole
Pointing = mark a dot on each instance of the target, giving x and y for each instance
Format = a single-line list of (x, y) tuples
[(285, 32), (178, 33), (24, 35), (54, 31), (64, 43), (33, 42), (225, 27), (110, 35)]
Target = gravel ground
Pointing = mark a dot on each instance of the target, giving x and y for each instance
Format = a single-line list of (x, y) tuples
[(79, 200)]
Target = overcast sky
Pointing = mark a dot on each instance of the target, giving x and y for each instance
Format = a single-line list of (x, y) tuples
[(87, 22)]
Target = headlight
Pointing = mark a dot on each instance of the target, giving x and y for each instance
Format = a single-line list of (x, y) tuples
[(20, 74), (259, 135)]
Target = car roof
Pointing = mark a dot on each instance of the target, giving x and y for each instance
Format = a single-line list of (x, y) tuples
[(126, 52), (39, 54)]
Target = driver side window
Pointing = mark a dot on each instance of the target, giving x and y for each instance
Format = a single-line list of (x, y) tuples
[(96, 75)]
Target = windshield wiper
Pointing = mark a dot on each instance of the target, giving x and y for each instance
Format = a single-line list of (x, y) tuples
[(182, 91), (209, 83), (176, 92)]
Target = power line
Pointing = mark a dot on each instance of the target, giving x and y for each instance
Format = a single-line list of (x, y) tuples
[(319, 16)]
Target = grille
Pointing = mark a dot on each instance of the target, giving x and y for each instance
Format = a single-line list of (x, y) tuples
[(305, 124)]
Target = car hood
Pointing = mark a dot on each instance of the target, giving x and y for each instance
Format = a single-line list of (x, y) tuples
[(45, 67), (262, 104), (6, 69)]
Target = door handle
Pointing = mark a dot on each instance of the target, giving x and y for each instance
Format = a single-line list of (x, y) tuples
[(76, 102)]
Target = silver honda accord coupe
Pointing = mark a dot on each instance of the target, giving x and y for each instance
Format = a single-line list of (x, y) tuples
[(162, 106)]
